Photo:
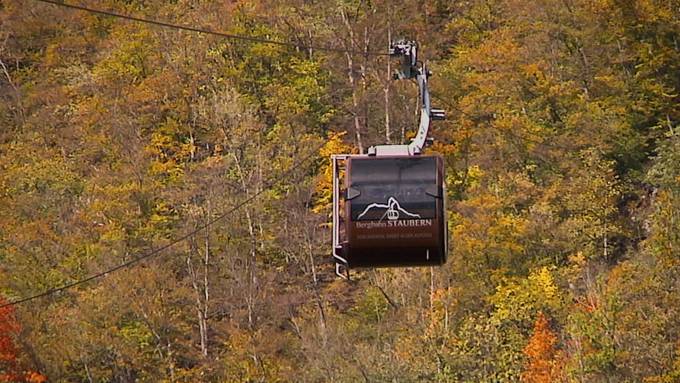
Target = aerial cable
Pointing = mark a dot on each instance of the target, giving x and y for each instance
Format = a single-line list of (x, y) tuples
[(182, 238), (251, 39)]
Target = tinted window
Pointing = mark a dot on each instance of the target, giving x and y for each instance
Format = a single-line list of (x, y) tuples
[(392, 188)]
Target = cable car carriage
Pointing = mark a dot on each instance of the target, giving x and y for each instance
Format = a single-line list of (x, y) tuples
[(389, 204)]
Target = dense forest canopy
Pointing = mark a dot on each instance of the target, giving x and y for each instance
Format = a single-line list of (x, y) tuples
[(117, 137)]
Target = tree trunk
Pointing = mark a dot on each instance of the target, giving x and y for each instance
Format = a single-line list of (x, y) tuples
[(352, 82), (388, 80), (201, 305), (251, 263)]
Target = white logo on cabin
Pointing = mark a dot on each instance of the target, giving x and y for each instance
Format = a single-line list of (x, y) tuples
[(392, 212)]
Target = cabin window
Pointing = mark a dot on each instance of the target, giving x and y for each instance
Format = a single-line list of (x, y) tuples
[(393, 188)]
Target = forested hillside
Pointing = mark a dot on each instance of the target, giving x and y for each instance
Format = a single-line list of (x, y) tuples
[(210, 157)]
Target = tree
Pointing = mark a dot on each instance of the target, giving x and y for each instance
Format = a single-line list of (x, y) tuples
[(9, 328), (543, 360), (11, 370)]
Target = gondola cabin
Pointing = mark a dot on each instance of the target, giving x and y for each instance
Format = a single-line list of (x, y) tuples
[(389, 211), (389, 204)]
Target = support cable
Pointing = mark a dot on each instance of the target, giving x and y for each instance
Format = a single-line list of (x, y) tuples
[(268, 186), (165, 24)]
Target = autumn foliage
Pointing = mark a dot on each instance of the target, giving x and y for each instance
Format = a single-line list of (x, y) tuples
[(10, 368), (543, 359), (8, 352), (562, 152)]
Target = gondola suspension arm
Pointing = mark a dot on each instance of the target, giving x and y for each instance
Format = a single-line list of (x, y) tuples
[(408, 51)]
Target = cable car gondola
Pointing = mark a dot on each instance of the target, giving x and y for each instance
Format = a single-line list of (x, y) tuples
[(389, 204)]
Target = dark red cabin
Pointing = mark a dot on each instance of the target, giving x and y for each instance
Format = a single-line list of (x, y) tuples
[(390, 212)]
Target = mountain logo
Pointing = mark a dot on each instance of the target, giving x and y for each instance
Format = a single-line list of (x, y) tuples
[(393, 210)]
